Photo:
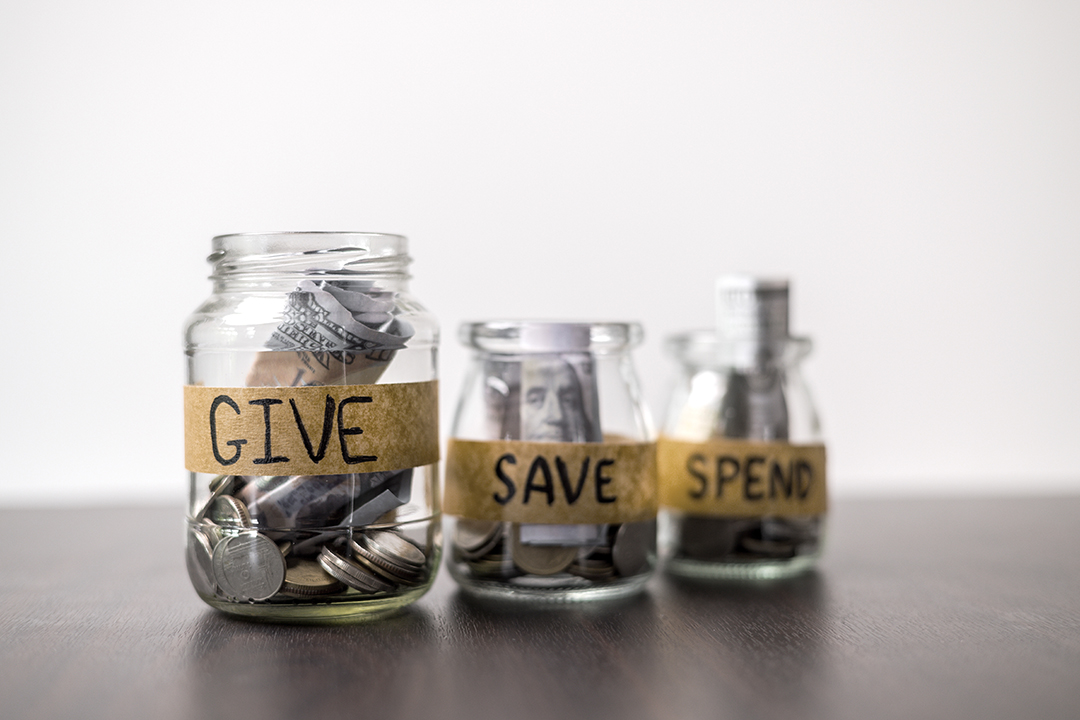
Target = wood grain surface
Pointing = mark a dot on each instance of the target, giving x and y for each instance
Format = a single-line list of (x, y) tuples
[(920, 609)]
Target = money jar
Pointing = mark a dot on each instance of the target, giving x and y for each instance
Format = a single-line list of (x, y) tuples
[(551, 471), (311, 429), (740, 457)]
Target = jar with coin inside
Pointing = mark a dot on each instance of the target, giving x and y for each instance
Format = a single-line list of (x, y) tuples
[(311, 429), (740, 456), (551, 464)]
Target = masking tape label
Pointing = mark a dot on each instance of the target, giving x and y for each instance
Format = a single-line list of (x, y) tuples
[(742, 478), (552, 483), (312, 430)]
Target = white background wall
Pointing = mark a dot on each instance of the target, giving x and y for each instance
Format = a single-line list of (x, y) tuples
[(913, 166)]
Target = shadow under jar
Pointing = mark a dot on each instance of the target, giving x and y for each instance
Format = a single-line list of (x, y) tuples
[(311, 429), (741, 462), (551, 464)]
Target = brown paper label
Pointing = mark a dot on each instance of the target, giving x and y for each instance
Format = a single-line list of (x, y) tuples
[(553, 483), (315, 430), (742, 478)]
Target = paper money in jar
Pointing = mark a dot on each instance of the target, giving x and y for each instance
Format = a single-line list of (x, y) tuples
[(539, 487), (742, 464), (310, 419)]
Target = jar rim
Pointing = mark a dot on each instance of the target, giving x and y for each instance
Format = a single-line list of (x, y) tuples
[(549, 336), (276, 241), (291, 252)]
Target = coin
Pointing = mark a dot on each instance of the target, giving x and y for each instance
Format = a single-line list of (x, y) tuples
[(495, 566), (476, 538), (306, 578), (769, 549), (210, 531), (248, 567), (220, 485), (228, 512), (635, 544), (350, 573), (388, 566), (200, 562), (393, 547), (539, 560), (595, 570), (396, 576)]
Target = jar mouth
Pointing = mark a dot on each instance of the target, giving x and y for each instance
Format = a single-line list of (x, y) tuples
[(304, 252), (518, 337)]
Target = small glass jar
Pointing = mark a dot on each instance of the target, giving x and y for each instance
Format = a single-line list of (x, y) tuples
[(551, 464), (311, 429), (741, 462)]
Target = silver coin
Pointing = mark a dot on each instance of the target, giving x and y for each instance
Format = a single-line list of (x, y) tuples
[(394, 548), (398, 576), (210, 531), (384, 566), (227, 511), (493, 566), (595, 571), (352, 574), (476, 538), (200, 562), (539, 560), (248, 567), (220, 485), (635, 544), (306, 578)]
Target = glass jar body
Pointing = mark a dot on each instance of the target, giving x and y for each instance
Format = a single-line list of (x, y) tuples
[(741, 461), (551, 467), (301, 333)]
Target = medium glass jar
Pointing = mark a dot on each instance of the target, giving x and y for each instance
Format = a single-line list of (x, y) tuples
[(741, 462), (551, 464), (311, 429)]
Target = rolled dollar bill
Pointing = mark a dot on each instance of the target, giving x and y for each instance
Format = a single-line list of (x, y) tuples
[(558, 402), (559, 399), (330, 335)]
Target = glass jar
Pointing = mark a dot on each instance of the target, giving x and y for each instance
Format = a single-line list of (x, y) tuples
[(551, 464), (741, 463), (311, 429)]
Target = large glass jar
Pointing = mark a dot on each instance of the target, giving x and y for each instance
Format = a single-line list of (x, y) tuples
[(551, 464), (311, 429), (741, 462)]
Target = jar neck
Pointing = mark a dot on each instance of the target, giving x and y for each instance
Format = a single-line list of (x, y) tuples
[(536, 337), (705, 349), (280, 260)]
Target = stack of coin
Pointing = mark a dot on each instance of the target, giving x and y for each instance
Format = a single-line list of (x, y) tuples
[(390, 556), (230, 558), (473, 539), (376, 561), (351, 573)]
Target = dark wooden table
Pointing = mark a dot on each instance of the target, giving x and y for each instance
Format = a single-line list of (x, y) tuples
[(920, 609)]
